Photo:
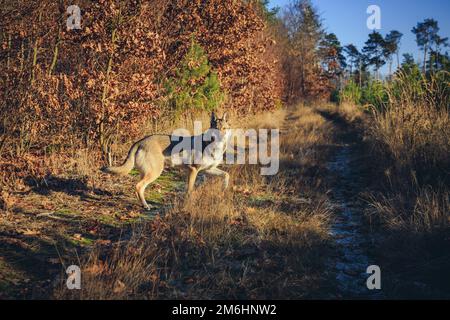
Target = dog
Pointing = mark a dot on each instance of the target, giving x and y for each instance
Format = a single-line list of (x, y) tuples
[(150, 154)]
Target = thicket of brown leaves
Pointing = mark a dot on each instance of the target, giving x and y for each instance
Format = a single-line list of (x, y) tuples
[(61, 88)]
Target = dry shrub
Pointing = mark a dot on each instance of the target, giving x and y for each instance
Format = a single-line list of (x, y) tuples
[(101, 86), (412, 228), (16, 170), (211, 247), (85, 163), (352, 114), (296, 229), (7, 201)]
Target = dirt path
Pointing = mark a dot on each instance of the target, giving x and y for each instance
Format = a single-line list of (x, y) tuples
[(348, 166), (352, 243)]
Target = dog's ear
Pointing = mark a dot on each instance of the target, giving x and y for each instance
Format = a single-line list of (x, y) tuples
[(213, 119), (225, 116)]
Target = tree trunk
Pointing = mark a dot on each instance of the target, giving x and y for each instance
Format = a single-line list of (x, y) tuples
[(9, 49), (360, 75), (105, 136), (35, 52), (425, 60), (55, 56), (58, 40)]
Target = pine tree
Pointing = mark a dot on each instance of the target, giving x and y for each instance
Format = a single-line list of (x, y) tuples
[(356, 63), (438, 60), (392, 46), (409, 66), (331, 53), (426, 36), (195, 86), (374, 51), (269, 14)]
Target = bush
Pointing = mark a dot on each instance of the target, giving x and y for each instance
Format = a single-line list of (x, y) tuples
[(374, 94), (100, 86), (351, 93)]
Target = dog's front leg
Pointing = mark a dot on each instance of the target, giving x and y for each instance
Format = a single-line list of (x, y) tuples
[(218, 172)]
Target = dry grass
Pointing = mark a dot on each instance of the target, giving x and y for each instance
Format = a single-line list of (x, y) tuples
[(347, 111), (415, 126), (411, 209), (266, 237), (412, 228), (425, 211), (412, 139)]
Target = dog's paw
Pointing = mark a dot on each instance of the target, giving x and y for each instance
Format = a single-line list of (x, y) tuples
[(104, 169)]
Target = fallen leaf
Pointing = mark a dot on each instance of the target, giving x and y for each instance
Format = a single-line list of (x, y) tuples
[(119, 286), (103, 242), (29, 232), (98, 268), (77, 236)]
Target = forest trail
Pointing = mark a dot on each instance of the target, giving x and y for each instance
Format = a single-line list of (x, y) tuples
[(344, 173), (348, 167)]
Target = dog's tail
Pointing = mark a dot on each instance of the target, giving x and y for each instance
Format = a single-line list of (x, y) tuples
[(127, 166)]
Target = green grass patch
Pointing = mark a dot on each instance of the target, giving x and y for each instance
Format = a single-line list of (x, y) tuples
[(168, 182)]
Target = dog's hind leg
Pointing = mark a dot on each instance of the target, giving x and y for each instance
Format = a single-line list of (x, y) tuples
[(150, 176), (141, 186)]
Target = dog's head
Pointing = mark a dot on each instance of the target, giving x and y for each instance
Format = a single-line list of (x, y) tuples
[(220, 124)]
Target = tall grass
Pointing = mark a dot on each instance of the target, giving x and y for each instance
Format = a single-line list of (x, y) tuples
[(414, 127), (410, 136)]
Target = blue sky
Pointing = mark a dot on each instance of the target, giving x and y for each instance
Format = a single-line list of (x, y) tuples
[(347, 18)]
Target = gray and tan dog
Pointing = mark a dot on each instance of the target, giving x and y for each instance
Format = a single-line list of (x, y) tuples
[(149, 155)]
